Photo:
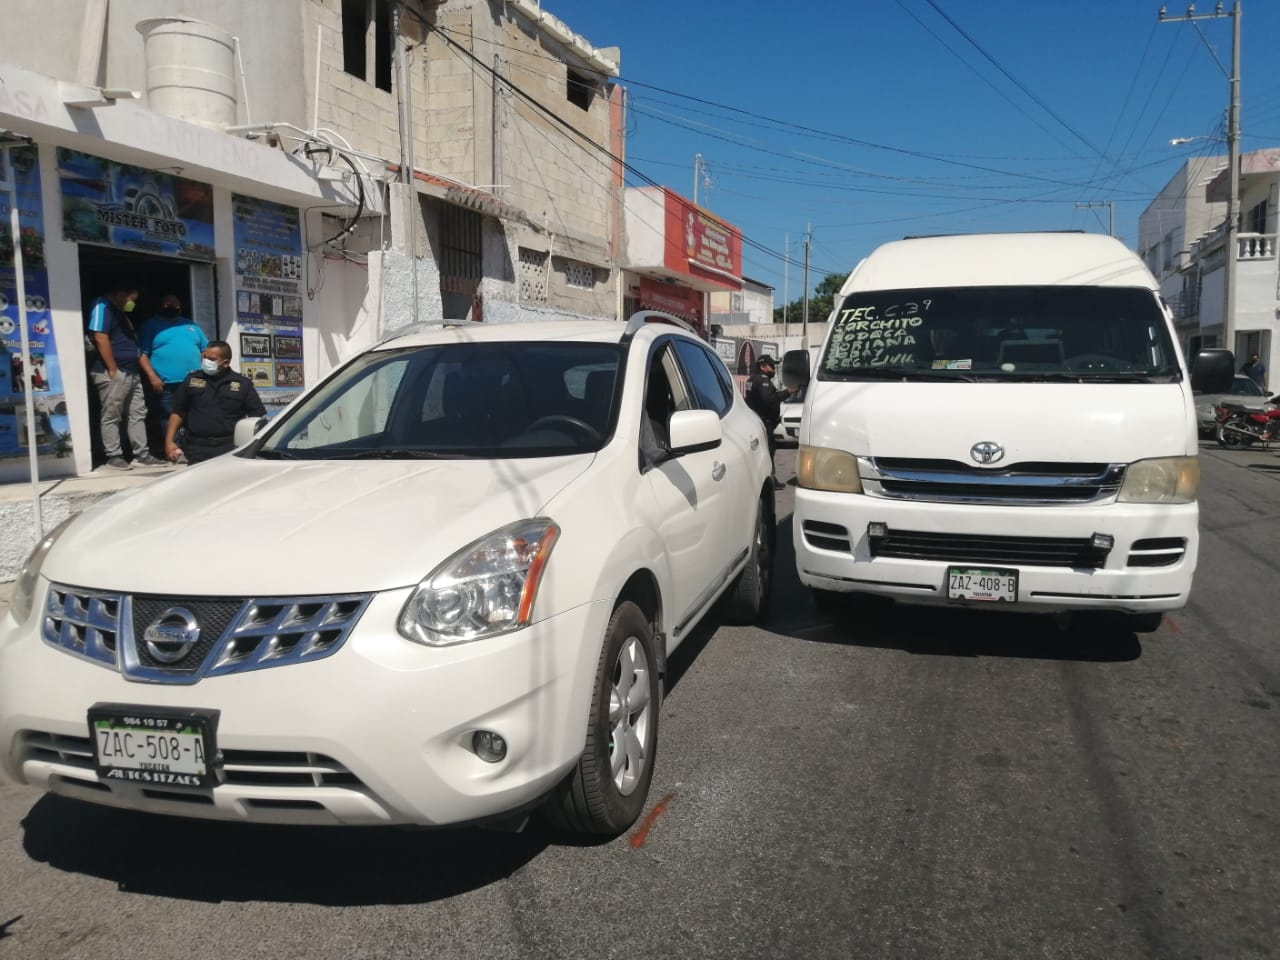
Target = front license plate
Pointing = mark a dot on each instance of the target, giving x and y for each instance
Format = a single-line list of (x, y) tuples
[(155, 745), (982, 583)]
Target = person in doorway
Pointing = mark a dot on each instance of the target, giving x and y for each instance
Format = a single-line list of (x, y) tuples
[(170, 347), (209, 403), (766, 401), (116, 375), (1256, 371)]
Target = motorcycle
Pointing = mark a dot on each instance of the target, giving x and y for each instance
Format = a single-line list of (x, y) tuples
[(1241, 426)]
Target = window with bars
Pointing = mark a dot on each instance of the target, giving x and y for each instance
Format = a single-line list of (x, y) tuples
[(461, 250), (533, 275)]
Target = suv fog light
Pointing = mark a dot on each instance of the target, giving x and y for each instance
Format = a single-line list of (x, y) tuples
[(489, 746)]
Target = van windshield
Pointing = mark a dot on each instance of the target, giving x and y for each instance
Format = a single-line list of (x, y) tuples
[(1057, 333)]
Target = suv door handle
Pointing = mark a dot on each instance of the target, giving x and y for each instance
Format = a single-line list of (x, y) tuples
[(717, 471)]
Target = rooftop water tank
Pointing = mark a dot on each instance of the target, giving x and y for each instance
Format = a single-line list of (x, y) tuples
[(190, 70)]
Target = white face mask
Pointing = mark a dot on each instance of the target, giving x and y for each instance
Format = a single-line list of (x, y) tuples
[(210, 367)]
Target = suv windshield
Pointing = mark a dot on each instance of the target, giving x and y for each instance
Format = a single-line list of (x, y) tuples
[(1052, 333), (483, 400)]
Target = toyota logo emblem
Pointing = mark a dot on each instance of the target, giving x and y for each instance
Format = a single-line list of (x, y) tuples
[(171, 635), (987, 452)]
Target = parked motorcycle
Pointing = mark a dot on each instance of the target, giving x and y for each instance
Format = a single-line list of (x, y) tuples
[(1241, 426)]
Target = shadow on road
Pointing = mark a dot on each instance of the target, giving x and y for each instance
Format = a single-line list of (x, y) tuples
[(867, 621), (214, 862)]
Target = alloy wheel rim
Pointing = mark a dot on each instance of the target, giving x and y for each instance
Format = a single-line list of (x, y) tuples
[(630, 714)]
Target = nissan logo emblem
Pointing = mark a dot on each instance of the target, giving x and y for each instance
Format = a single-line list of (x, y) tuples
[(171, 635), (986, 452)]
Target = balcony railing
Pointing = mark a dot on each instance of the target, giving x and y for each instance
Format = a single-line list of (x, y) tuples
[(1249, 246)]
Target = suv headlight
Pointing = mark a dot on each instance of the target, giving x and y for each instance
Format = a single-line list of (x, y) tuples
[(24, 588), (822, 468), (483, 590), (1163, 480)]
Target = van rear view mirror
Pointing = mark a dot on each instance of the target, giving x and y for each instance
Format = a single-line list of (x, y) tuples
[(1212, 371)]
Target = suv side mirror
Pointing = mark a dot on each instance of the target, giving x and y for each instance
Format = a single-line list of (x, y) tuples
[(1212, 371), (795, 369)]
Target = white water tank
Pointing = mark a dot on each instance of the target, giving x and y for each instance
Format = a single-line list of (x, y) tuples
[(190, 70)]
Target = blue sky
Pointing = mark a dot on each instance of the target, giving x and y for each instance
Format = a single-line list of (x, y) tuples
[(873, 119)]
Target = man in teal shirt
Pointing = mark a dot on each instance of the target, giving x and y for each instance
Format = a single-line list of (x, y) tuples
[(170, 347)]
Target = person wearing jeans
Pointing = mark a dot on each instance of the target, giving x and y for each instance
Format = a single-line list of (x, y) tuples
[(116, 375)]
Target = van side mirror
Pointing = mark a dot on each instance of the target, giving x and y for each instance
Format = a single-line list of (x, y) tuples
[(1212, 371), (795, 369)]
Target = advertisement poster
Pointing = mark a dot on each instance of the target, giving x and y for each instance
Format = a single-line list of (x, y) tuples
[(269, 288), (42, 385), (133, 208)]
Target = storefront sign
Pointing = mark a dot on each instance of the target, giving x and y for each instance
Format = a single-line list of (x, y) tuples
[(270, 270), (696, 239), (670, 298), (134, 208), (42, 385)]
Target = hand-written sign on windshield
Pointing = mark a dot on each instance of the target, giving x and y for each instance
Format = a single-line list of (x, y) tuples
[(877, 336)]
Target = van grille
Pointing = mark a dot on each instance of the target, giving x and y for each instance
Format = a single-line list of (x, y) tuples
[(950, 481), (965, 548)]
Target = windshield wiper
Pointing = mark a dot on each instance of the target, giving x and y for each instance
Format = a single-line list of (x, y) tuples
[(897, 373), (390, 453), (276, 454)]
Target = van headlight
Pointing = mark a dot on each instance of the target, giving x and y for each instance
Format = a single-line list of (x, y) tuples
[(822, 468), (1162, 480), (484, 589), (25, 587)]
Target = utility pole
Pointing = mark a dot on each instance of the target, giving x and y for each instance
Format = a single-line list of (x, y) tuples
[(1111, 212), (786, 262), (804, 321), (1230, 241)]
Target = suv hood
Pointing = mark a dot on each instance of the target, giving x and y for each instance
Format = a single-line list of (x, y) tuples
[(1061, 422), (239, 527)]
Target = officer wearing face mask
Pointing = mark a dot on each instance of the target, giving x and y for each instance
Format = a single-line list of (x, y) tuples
[(209, 402), (170, 346)]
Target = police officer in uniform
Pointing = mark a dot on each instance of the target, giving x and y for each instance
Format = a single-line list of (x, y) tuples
[(766, 400), (209, 403)]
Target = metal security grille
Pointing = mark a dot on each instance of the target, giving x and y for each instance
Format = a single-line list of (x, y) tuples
[(579, 275), (461, 261)]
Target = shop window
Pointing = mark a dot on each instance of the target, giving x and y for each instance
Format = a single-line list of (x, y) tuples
[(579, 90), (533, 275), (357, 17)]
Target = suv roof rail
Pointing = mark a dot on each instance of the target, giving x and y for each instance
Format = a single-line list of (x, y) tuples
[(422, 326), (641, 317)]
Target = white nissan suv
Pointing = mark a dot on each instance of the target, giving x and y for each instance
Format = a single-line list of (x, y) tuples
[(440, 588)]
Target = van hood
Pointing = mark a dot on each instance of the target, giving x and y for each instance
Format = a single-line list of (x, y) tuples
[(1056, 422), (242, 527)]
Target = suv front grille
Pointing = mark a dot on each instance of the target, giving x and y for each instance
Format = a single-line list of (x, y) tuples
[(233, 635)]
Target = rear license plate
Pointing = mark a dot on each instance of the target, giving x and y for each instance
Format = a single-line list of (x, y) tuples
[(154, 745), (986, 584)]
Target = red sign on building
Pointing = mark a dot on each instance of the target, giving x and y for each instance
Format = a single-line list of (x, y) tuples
[(702, 245)]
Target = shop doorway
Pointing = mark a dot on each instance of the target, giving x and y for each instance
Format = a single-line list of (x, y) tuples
[(154, 277)]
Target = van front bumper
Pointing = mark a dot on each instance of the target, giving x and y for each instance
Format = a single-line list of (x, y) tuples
[(905, 549)]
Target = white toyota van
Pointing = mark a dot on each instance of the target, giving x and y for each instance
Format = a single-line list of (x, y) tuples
[(1002, 420)]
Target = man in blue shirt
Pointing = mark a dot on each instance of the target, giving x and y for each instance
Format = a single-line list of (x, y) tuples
[(116, 375), (170, 347)]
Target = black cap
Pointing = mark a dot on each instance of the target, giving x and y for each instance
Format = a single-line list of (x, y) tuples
[(765, 358)]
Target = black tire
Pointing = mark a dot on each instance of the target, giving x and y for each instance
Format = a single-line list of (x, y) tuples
[(595, 799), (748, 598), (1143, 622), (1227, 438)]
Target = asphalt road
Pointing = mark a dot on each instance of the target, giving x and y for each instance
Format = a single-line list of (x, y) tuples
[(893, 783)]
